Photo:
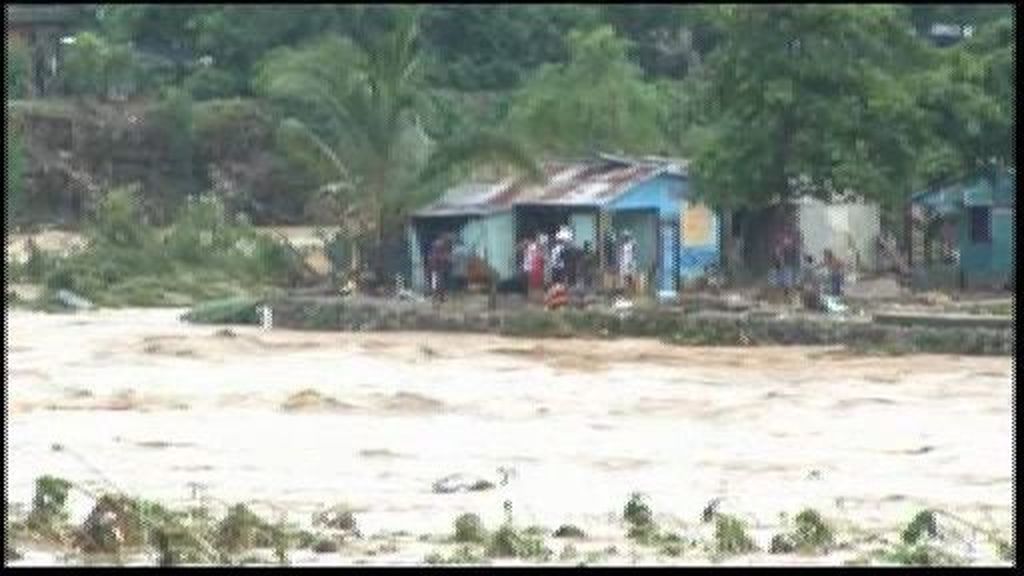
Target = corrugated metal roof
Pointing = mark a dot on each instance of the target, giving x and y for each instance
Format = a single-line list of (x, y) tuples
[(586, 183)]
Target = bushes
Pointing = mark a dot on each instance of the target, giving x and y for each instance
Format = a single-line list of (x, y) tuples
[(202, 256), (469, 528)]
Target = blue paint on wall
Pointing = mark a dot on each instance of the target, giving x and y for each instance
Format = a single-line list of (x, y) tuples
[(669, 194)]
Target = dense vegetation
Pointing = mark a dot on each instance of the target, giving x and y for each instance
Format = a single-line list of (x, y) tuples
[(356, 114)]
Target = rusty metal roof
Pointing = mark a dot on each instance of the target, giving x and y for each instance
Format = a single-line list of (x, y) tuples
[(585, 183)]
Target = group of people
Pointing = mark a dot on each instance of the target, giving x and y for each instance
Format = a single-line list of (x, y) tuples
[(789, 271), (549, 269)]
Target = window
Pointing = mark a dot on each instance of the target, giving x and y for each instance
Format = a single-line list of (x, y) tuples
[(981, 224)]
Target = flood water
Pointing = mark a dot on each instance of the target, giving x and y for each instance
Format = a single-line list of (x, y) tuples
[(300, 420)]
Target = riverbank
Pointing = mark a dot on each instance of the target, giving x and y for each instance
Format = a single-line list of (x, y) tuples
[(674, 324)]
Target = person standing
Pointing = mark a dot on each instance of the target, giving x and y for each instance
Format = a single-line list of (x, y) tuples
[(627, 263), (441, 266), (535, 270), (835, 268), (588, 266)]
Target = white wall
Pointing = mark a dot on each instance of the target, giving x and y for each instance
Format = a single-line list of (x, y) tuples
[(848, 230)]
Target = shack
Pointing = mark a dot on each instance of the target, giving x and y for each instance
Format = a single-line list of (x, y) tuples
[(962, 234), (849, 227), (598, 199)]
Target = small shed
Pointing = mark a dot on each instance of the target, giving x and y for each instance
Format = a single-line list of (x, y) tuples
[(677, 238), (962, 233), (849, 228)]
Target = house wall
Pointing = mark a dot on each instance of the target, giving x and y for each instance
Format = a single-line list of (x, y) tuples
[(668, 194), (988, 263), (849, 230)]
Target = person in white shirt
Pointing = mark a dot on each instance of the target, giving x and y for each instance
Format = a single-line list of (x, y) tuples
[(627, 262)]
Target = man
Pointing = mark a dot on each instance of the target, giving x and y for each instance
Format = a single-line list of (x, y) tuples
[(836, 271), (588, 266), (627, 262), (560, 257), (460, 265), (810, 284)]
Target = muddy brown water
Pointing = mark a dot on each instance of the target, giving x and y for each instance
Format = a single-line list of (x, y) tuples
[(302, 420)]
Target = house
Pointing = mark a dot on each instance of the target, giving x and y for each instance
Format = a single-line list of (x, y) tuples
[(850, 228), (676, 237), (41, 28), (962, 234)]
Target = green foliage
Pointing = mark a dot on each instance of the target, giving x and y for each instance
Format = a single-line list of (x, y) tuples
[(95, 66), (368, 148), (469, 528), (808, 99), (811, 535), (918, 555), (636, 512), (569, 531), (242, 530), (731, 536), (461, 555), (49, 504), (203, 255), (921, 527), (508, 542), (497, 47), (597, 101), (16, 69)]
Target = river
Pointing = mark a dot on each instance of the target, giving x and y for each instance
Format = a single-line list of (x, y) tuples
[(304, 419)]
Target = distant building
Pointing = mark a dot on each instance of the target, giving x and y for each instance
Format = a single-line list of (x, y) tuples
[(40, 28), (677, 238), (962, 234)]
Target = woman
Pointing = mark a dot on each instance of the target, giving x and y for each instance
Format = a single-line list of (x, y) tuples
[(535, 266)]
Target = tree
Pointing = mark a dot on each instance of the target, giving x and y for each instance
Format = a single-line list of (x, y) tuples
[(597, 100), (668, 41), (97, 67), (812, 99), (496, 47), (368, 145)]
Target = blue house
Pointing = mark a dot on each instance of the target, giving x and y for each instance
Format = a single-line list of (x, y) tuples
[(963, 233), (677, 238)]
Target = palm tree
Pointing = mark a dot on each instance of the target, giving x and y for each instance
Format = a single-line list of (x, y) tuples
[(372, 153)]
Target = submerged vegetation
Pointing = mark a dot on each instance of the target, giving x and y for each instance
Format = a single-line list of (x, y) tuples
[(121, 526)]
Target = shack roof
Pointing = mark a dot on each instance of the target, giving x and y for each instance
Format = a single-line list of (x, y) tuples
[(587, 183)]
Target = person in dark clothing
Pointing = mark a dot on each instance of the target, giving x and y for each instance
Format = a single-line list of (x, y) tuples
[(836, 271), (588, 266)]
